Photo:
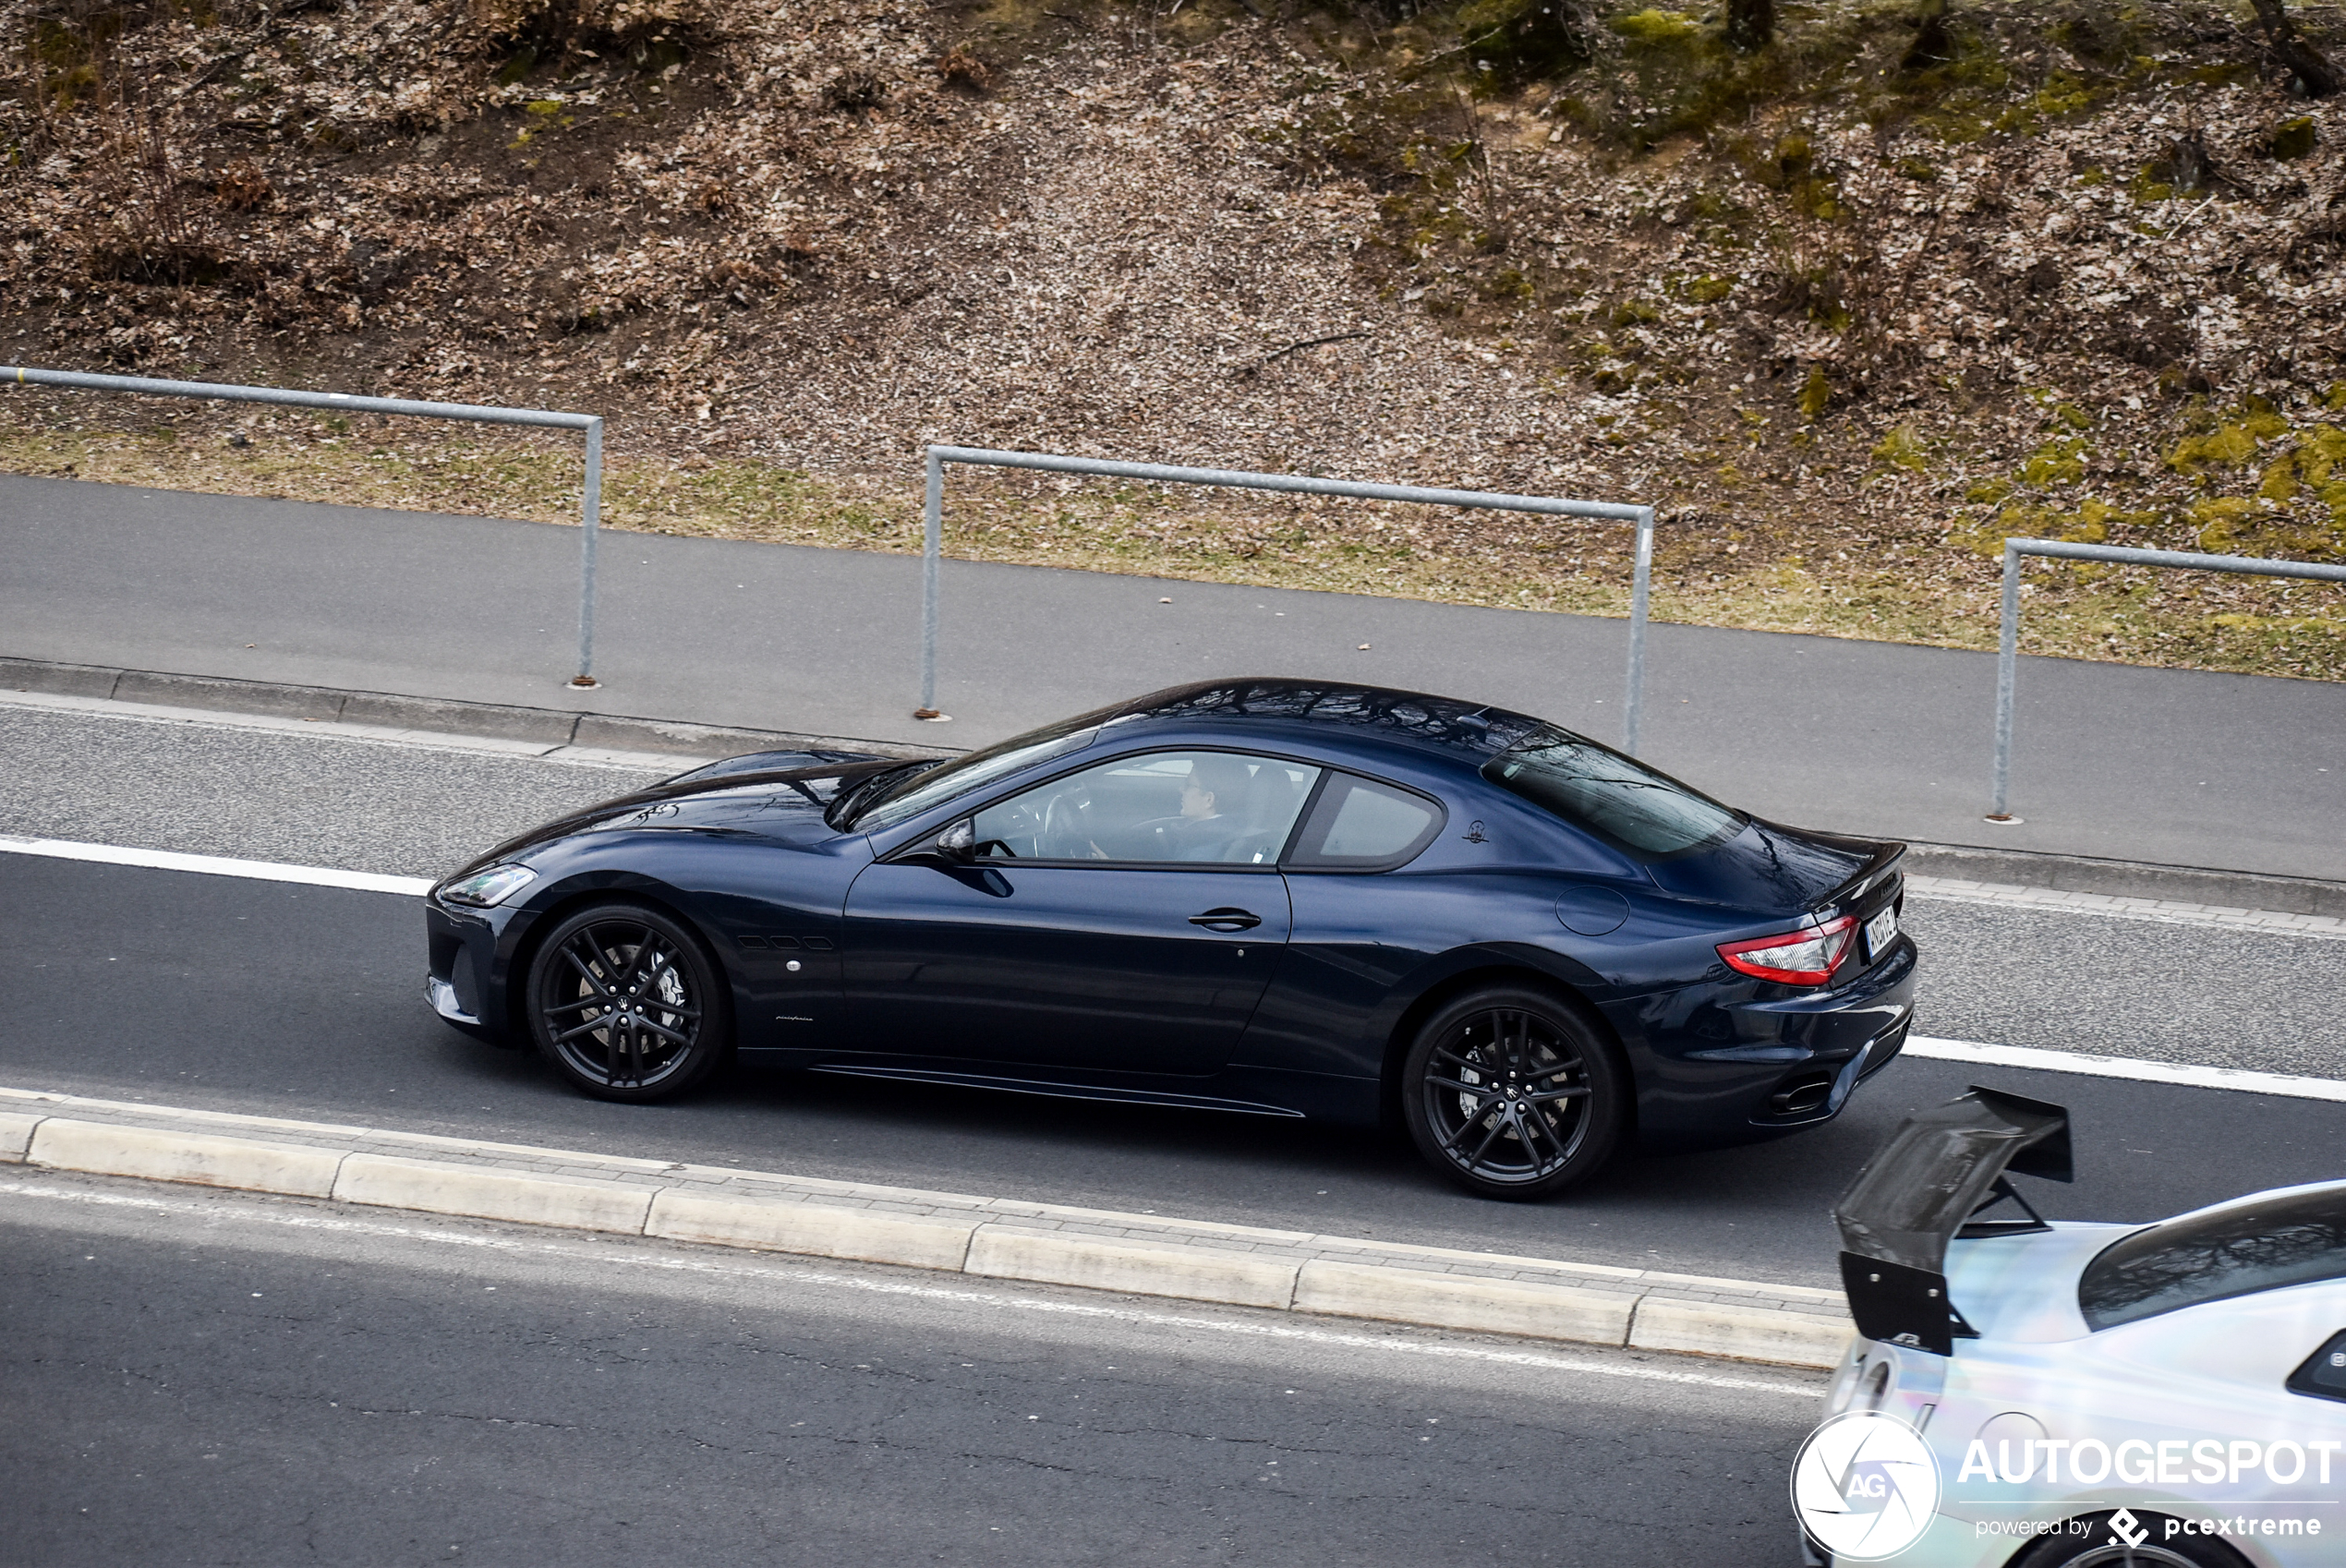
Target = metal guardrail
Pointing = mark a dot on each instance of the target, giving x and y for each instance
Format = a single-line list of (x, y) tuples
[(590, 507), (2008, 647), (1233, 478)]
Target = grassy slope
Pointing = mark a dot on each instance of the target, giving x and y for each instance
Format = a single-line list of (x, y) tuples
[(1850, 313)]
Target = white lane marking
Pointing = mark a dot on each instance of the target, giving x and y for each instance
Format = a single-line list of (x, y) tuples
[(2133, 1068), (216, 865), (993, 1300), (2155, 912)]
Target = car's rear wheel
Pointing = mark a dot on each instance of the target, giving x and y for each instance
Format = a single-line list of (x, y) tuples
[(1510, 1094), (624, 1002), (2094, 1542)]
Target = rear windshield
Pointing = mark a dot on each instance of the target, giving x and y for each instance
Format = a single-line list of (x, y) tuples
[(1620, 801), (2294, 1238)]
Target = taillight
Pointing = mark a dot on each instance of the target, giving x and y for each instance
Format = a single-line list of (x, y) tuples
[(1807, 957)]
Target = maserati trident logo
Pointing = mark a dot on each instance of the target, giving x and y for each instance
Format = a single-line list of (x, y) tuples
[(1864, 1486)]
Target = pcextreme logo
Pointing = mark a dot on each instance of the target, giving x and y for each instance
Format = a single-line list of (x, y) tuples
[(1864, 1486)]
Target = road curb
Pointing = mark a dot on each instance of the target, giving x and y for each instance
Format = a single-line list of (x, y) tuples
[(979, 1238), (2128, 879), (501, 721), (203, 1159)]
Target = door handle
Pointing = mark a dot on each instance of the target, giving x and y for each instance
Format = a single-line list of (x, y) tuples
[(1226, 919)]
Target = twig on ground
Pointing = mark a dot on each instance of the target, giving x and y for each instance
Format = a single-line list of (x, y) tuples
[(1307, 343)]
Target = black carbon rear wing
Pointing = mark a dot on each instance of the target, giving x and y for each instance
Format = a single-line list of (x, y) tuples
[(1938, 1169)]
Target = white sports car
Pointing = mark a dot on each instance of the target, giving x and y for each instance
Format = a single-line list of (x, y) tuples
[(2170, 1394)]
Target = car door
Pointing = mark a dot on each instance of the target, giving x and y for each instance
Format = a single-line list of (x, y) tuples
[(1124, 918)]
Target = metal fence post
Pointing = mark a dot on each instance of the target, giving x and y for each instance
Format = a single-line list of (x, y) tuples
[(2008, 644), (1639, 594), (1293, 484), (932, 546), (590, 512), (345, 402), (2007, 667)]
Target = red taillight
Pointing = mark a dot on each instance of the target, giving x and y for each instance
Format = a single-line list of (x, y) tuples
[(1807, 957)]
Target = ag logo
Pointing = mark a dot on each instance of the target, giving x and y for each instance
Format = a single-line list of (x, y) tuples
[(1864, 1486)]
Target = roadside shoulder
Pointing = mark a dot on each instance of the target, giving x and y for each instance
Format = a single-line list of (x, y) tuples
[(1002, 1238)]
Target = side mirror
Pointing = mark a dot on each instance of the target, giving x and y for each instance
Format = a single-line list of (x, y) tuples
[(957, 844)]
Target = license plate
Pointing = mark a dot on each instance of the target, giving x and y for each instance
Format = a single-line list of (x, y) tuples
[(1881, 931)]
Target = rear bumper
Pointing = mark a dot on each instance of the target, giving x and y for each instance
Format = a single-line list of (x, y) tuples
[(1734, 1067)]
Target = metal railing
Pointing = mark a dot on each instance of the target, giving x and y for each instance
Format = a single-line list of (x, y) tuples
[(590, 507), (1230, 479), (2008, 647)]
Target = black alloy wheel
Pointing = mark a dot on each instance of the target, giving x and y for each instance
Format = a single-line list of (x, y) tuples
[(626, 1004), (1511, 1094)]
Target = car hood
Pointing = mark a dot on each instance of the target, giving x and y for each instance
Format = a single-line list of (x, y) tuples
[(777, 803)]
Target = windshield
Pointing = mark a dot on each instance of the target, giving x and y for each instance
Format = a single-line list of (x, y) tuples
[(1621, 801), (915, 792), (2290, 1238)]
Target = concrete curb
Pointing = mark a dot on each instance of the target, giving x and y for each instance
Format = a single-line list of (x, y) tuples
[(981, 1237), (536, 726), (2196, 885)]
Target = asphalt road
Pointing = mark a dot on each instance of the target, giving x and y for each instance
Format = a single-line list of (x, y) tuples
[(219, 1379), (2010, 976), (287, 1000), (2174, 766), (301, 1001), (211, 789)]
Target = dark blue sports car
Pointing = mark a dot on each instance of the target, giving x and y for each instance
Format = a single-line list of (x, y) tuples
[(1275, 897)]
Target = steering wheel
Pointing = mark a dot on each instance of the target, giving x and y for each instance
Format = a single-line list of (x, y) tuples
[(1065, 834)]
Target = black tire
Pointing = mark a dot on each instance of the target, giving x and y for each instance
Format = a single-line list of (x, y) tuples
[(627, 1004), (2091, 1543), (1511, 1093)]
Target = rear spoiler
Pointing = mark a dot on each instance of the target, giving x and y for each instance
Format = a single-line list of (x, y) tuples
[(1938, 1169), (1859, 885)]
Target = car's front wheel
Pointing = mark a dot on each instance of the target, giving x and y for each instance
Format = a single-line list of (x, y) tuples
[(624, 1001), (1510, 1094)]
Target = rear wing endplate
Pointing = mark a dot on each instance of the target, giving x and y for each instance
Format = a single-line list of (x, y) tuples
[(1939, 1168)]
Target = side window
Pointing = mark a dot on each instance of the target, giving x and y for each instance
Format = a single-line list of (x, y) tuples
[(1217, 808), (1361, 825)]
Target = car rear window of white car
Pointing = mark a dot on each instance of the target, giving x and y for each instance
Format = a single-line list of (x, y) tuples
[(1621, 801), (2294, 1238)]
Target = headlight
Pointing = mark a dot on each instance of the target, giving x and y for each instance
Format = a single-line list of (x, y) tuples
[(483, 888)]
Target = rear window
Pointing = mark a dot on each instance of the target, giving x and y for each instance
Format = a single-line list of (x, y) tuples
[(1621, 801), (2294, 1238)]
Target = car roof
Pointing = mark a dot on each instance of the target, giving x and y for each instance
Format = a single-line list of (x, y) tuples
[(1463, 732)]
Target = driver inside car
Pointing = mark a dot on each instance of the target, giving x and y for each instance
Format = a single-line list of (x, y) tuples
[(1210, 817)]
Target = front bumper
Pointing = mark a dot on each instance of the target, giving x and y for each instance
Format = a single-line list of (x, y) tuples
[(463, 982)]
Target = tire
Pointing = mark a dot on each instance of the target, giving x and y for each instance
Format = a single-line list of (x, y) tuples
[(2091, 1544), (584, 1012), (1510, 1094)]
